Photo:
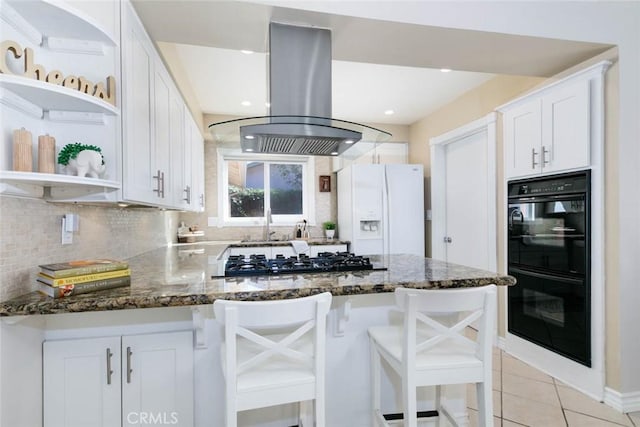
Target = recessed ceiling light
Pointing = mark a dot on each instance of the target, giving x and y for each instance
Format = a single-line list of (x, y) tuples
[(249, 149), (246, 103), (445, 70), (349, 141), (246, 51), (389, 112), (249, 137), (334, 153)]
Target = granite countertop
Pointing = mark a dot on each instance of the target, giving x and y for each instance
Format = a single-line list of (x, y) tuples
[(310, 242), (185, 275)]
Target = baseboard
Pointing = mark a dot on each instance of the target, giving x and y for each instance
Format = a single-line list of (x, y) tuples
[(623, 402), (501, 343)]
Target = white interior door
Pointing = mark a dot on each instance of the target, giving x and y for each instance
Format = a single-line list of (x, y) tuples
[(463, 195)]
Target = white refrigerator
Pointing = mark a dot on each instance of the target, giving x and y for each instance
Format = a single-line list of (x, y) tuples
[(381, 208)]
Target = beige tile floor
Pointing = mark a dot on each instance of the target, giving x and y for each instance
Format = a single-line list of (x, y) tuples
[(524, 396)]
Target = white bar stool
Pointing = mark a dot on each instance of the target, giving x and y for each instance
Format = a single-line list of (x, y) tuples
[(274, 353), (430, 349)]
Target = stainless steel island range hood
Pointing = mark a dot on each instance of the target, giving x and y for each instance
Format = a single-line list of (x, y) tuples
[(300, 101)]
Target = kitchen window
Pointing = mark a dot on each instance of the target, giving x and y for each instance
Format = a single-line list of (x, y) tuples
[(250, 185)]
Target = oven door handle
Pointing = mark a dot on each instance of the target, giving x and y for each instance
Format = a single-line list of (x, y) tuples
[(538, 199), (513, 213), (571, 280)]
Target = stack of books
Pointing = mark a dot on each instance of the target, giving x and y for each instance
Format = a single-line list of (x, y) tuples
[(79, 277)]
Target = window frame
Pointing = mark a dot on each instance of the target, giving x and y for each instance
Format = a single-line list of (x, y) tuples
[(308, 195)]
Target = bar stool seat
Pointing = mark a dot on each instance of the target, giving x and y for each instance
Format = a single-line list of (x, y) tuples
[(274, 353), (430, 348)]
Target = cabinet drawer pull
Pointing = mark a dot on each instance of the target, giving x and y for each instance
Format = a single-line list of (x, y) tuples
[(129, 370), (109, 370), (533, 158)]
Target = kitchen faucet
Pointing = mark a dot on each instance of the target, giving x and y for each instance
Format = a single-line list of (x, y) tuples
[(268, 220)]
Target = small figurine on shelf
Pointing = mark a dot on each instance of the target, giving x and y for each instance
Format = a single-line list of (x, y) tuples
[(82, 160)]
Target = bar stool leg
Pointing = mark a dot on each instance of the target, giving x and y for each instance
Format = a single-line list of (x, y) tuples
[(375, 378)]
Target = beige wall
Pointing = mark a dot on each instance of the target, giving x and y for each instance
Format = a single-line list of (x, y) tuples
[(472, 105)]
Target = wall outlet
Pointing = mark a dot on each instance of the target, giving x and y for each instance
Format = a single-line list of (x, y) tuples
[(67, 236)]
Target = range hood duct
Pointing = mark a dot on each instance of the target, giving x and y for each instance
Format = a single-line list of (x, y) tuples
[(300, 100)]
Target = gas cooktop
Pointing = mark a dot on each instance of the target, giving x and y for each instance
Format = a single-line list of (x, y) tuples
[(238, 265)]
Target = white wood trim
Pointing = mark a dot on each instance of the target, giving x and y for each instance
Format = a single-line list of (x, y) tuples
[(9, 15), (438, 197), (623, 402), (76, 117), (582, 378), (594, 71), (17, 102)]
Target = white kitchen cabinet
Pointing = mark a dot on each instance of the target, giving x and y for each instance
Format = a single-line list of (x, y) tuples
[(81, 381), (316, 249), (193, 170), (371, 153), (549, 131), (159, 141), (119, 381), (157, 378), (180, 149), (137, 93), (286, 251), (257, 250)]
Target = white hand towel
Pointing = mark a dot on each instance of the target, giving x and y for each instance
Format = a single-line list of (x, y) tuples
[(300, 247)]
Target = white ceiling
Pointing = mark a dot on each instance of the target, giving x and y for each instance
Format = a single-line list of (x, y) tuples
[(360, 92), (378, 65)]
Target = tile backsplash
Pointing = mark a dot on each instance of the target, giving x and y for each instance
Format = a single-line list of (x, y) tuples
[(30, 234)]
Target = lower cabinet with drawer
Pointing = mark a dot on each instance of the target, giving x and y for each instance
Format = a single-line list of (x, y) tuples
[(119, 381)]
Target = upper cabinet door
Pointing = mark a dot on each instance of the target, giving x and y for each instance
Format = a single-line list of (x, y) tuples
[(522, 139), (137, 65), (82, 382), (566, 128)]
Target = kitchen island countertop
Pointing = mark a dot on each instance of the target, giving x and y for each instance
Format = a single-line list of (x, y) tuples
[(189, 275)]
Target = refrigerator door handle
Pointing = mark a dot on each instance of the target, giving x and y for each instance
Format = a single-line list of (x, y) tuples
[(386, 222)]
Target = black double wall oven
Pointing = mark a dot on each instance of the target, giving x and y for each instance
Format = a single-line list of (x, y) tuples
[(549, 255)]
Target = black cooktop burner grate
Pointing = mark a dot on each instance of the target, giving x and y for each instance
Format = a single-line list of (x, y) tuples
[(238, 265)]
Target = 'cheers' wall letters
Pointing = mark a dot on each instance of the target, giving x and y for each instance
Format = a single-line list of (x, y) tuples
[(37, 72)]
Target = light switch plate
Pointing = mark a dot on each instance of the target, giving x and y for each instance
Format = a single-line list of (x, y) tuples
[(67, 236)]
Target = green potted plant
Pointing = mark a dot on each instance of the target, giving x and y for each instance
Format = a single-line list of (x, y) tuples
[(329, 229)]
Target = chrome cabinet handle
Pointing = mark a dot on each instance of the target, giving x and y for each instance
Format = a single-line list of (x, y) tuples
[(109, 370), (129, 370), (545, 161), (160, 177), (188, 191), (202, 200), (533, 158)]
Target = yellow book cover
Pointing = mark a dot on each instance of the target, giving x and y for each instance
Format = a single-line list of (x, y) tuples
[(80, 267), (82, 278)]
